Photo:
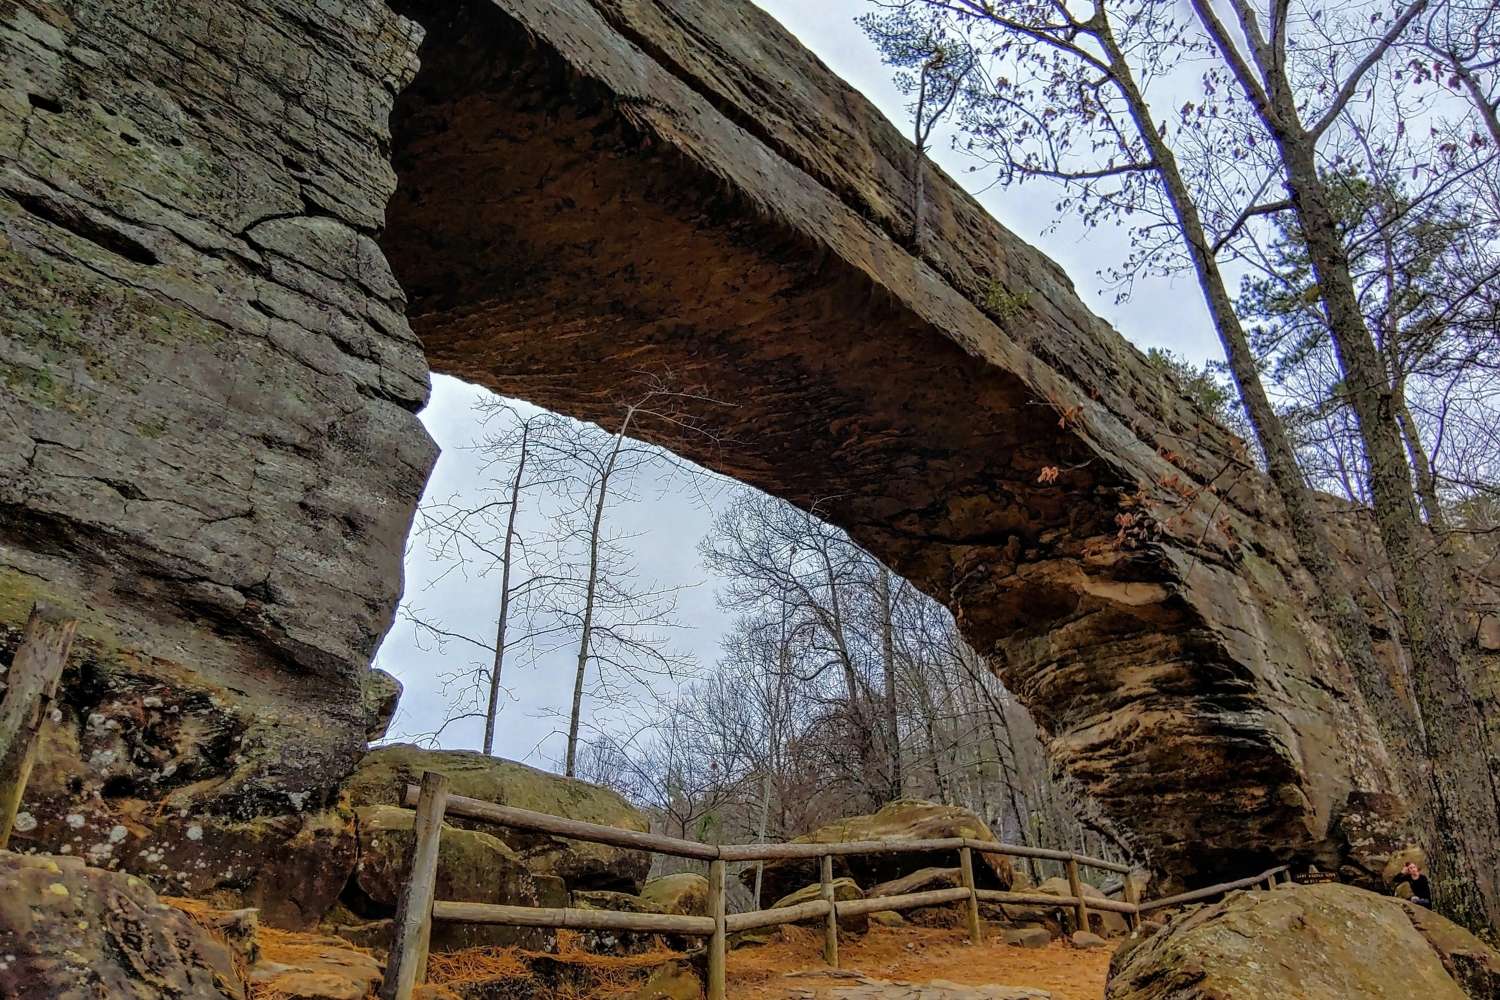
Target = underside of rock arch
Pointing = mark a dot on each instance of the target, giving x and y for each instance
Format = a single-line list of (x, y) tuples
[(233, 238)]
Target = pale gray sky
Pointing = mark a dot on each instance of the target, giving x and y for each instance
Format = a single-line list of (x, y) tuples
[(1162, 314)]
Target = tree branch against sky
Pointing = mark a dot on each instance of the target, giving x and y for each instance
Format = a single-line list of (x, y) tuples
[(1201, 129)]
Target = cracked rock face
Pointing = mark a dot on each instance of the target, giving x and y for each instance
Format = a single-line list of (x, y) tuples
[(212, 218), (208, 442)]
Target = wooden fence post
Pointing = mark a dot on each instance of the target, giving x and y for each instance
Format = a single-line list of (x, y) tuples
[(1132, 896), (31, 686), (831, 929), (966, 869), (407, 965), (717, 945), (1075, 886)]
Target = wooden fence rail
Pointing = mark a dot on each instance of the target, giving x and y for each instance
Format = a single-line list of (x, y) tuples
[(417, 907)]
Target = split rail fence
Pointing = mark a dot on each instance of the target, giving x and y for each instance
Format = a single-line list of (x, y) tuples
[(418, 907)]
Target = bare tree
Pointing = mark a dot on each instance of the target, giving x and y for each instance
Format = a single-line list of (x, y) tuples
[(621, 625), (1063, 97), (485, 538), (1465, 800)]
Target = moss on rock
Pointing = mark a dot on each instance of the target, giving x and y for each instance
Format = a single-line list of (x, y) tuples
[(383, 775)]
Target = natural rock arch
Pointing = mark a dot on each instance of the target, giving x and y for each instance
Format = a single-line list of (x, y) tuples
[(587, 191), (209, 449)]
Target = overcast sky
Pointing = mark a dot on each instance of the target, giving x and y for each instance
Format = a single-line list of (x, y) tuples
[(667, 527)]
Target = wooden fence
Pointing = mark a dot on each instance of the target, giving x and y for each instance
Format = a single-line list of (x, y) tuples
[(27, 690), (418, 908)]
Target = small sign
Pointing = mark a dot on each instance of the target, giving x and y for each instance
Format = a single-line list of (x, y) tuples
[(1314, 878)]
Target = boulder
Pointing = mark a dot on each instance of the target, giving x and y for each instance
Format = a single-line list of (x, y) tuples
[(684, 893), (1474, 964), (1105, 922), (384, 773), (1317, 942), (123, 779), (904, 819), (473, 867), (379, 695), (1084, 941), (923, 880), (316, 968), (1028, 937), (610, 942), (843, 889), (69, 930)]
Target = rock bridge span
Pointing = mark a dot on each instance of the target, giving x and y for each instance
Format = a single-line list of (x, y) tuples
[(234, 239)]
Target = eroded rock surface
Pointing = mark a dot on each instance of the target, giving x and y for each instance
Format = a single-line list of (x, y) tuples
[(1324, 942), (473, 867), (589, 187), (69, 930), (209, 448), (844, 890)]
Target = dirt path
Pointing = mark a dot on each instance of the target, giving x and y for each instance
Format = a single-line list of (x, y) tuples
[(917, 954)]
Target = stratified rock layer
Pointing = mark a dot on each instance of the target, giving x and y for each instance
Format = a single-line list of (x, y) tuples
[(209, 448), (591, 189)]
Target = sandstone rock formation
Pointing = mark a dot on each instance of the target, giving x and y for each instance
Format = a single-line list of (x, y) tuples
[(210, 447), (923, 880), (684, 894), (843, 889), (1324, 942), (904, 819), (379, 695), (473, 867), (68, 930), (383, 775), (1106, 922), (107, 790)]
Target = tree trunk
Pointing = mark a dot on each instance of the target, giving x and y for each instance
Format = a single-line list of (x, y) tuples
[(493, 707), (1422, 466), (1465, 856), (888, 660), (1464, 822), (590, 591), (1334, 593)]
